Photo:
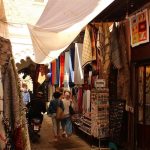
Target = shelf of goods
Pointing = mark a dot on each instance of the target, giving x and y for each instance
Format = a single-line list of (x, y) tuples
[(85, 123), (100, 113)]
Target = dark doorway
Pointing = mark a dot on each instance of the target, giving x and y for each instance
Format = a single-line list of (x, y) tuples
[(142, 106)]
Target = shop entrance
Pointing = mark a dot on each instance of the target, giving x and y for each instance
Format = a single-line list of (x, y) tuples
[(142, 106)]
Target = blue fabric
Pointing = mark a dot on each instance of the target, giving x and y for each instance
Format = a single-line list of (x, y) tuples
[(26, 97), (71, 71), (57, 71), (50, 73)]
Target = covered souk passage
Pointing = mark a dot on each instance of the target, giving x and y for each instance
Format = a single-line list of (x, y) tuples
[(46, 140)]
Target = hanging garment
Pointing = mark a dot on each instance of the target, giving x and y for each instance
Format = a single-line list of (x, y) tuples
[(53, 72), (2, 130), (115, 51), (14, 115), (123, 81), (78, 71), (93, 42), (103, 50), (100, 48), (86, 101), (62, 67), (80, 99), (87, 48), (66, 71), (71, 67), (57, 70)]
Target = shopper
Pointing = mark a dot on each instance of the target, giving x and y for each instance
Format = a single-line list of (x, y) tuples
[(36, 108), (52, 109), (66, 121), (25, 94)]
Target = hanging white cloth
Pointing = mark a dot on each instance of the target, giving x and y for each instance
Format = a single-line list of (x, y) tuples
[(78, 71), (60, 23)]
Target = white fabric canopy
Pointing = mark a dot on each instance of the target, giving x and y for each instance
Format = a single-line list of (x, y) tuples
[(60, 23)]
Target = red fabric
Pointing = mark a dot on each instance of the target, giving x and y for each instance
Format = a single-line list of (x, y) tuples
[(80, 99), (18, 139), (62, 67), (53, 72)]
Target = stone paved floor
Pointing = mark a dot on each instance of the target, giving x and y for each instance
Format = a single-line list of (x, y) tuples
[(73, 143)]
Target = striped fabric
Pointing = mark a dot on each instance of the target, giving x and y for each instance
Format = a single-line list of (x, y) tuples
[(87, 48)]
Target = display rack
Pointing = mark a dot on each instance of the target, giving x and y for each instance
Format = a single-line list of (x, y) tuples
[(100, 113), (117, 108)]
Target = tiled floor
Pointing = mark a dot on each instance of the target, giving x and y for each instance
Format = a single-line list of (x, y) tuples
[(46, 143)]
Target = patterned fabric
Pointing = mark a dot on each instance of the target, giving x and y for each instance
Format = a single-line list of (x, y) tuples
[(14, 115), (123, 87), (115, 51), (87, 48), (103, 50), (2, 131), (100, 48), (62, 63), (93, 42)]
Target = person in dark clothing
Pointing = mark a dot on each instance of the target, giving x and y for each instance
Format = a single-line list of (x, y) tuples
[(36, 107), (54, 103)]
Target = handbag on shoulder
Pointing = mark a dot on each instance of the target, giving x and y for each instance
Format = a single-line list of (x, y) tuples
[(59, 113)]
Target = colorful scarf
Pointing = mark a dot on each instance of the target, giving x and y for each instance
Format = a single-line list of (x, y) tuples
[(53, 72), (62, 63)]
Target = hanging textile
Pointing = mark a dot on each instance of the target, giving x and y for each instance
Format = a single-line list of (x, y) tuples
[(86, 101), (14, 116), (93, 42), (2, 130), (59, 25), (103, 50), (53, 72), (87, 48), (100, 43), (62, 66), (66, 72), (123, 81), (115, 51), (71, 67), (57, 71), (78, 71), (80, 99)]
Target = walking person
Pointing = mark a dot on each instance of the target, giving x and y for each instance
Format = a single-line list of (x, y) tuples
[(25, 94), (66, 121), (52, 109)]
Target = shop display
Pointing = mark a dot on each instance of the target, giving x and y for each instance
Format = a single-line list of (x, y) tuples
[(100, 113), (117, 108)]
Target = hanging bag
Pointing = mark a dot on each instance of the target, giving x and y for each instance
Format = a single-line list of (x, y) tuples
[(59, 112)]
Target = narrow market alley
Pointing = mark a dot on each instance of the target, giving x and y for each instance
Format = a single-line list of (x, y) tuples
[(46, 140)]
